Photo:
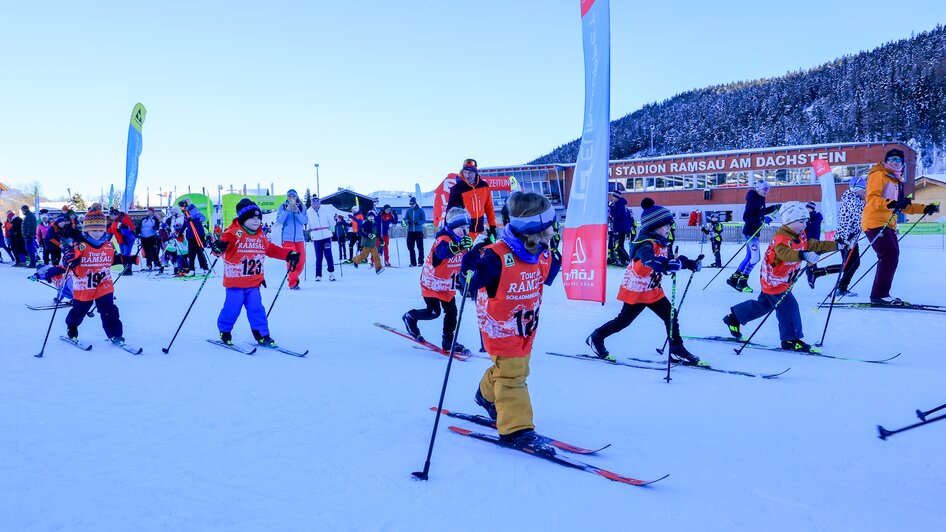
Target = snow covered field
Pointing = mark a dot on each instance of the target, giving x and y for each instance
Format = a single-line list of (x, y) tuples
[(209, 439)]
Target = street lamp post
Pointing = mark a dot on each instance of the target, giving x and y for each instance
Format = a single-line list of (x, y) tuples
[(651, 140), (317, 193)]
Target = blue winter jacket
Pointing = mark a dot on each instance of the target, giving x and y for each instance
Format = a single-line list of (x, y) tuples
[(813, 227), (198, 219), (620, 221), (293, 223), (415, 218), (754, 215)]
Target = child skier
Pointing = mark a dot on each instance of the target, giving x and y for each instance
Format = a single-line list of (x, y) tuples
[(783, 258), (715, 230), (176, 251), (640, 288), (369, 243), (91, 261), (508, 282), (440, 277), (53, 275), (244, 249)]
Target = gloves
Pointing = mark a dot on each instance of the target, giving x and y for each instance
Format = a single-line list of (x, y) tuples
[(697, 264), (842, 245), (663, 264), (491, 232), (809, 256), (292, 259), (466, 242), (70, 259), (219, 247), (767, 220), (899, 205), (932, 208), (403, 223)]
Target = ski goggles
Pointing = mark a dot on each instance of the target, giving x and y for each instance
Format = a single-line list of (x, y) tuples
[(528, 225), (895, 159)]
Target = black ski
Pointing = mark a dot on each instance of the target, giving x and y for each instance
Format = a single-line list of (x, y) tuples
[(76, 343), (284, 350), (487, 422), (710, 368), (611, 362), (558, 459), (814, 352), (233, 347), (48, 307), (126, 347), (904, 306)]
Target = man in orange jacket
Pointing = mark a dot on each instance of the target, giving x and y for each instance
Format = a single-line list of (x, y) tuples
[(472, 193)]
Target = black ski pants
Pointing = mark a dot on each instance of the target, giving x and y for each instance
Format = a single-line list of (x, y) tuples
[(628, 313)]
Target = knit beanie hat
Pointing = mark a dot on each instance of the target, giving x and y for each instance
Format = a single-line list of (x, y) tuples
[(793, 211), (457, 217), (654, 215), (894, 153), (94, 221), (762, 186), (811, 205), (469, 164), (246, 209)]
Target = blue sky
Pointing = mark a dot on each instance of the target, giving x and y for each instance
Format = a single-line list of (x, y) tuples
[(381, 94)]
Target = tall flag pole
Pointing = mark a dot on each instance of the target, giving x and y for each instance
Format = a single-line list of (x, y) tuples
[(584, 247), (829, 197), (131, 156)]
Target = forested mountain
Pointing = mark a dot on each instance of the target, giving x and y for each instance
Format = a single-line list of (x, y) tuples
[(896, 92)]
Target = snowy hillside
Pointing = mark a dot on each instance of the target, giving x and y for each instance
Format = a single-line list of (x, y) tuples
[(208, 439)]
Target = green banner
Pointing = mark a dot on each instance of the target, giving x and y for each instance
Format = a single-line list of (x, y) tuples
[(923, 228), (266, 204)]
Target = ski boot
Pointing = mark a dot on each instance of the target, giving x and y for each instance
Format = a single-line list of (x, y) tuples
[(796, 345), (715, 265), (596, 343), (264, 341), (744, 284), (527, 439), (117, 340), (226, 337), (481, 401), (318, 278), (379, 270), (887, 301), (72, 333), (734, 281), (459, 348), (410, 325), (844, 292), (679, 354), (331, 276), (733, 324)]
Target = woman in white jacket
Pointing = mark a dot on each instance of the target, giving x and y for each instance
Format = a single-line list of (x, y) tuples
[(321, 223)]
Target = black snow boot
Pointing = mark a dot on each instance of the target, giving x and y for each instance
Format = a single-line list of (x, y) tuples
[(489, 407), (796, 345), (734, 281), (265, 341), (733, 324), (447, 343), (596, 343), (528, 439), (410, 325), (72, 333), (678, 353), (226, 337)]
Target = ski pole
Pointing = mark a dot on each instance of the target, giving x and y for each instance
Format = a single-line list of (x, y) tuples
[(736, 254), (884, 433), (422, 475), (283, 283), (673, 299), (922, 415), (834, 296), (202, 283), (398, 248), (844, 265), (874, 265), (53, 318)]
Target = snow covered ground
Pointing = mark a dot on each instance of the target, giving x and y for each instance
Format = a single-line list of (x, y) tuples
[(209, 439)]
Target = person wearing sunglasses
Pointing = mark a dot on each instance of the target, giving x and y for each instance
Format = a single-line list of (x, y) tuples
[(885, 198)]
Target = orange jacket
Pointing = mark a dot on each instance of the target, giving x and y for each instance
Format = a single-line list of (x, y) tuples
[(882, 188), (477, 200)]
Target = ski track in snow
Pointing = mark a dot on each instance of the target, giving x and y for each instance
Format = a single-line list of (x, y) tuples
[(208, 439)]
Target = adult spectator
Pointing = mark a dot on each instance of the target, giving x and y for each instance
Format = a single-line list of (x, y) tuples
[(884, 199), (414, 220), (472, 193), (620, 224), (291, 215), (813, 226), (29, 234), (386, 220), (148, 228), (321, 226), (194, 233)]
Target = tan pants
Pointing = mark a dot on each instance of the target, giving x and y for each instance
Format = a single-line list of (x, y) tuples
[(504, 384), (364, 255)]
